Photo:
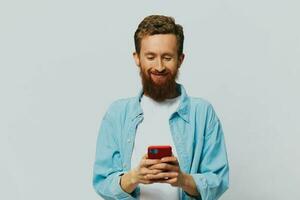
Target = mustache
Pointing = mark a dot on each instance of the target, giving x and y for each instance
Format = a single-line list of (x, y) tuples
[(165, 72)]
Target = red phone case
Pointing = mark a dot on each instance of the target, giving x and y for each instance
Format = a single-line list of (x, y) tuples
[(158, 152)]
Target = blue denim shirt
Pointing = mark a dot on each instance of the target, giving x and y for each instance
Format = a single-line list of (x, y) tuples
[(198, 138)]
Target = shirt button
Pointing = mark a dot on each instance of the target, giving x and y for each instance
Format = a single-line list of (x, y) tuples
[(124, 165), (128, 140)]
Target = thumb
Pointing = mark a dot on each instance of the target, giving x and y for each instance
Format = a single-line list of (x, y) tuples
[(145, 156)]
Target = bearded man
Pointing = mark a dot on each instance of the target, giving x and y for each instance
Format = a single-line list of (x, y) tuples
[(161, 114)]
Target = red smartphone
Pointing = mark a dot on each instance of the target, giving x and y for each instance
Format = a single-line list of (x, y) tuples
[(158, 152)]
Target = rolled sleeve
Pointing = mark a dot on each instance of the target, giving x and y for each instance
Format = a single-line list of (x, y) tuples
[(213, 177), (108, 162), (118, 192)]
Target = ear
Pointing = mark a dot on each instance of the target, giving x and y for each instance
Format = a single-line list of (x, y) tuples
[(180, 59), (136, 58)]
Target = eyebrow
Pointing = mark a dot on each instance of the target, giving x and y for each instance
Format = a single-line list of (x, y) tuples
[(164, 54), (149, 53)]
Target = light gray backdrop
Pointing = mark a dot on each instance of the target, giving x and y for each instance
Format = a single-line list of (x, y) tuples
[(63, 62)]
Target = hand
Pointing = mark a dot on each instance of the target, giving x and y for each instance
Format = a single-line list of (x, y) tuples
[(141, 173), (130, 180), (166, 170), (170, 172)]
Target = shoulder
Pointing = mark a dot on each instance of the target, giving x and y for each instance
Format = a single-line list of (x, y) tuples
[(203, 107), (121, 105), (200, 103)]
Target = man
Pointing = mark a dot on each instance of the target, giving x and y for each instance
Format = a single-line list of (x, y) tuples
[(161, 114)]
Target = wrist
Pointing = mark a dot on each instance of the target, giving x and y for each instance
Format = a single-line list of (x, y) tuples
[(128, 182), (185, 180), (189, 186), (133, 177)]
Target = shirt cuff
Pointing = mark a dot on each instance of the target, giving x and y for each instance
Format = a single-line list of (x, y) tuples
[(119, 192), (201, 184)]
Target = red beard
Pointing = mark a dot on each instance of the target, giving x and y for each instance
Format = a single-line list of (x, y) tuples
[(165, 89)]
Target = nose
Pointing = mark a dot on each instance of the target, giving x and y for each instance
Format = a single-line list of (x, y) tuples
[(160, 66)]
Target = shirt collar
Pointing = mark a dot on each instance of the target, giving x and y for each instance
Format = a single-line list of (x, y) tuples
[(183, 109)]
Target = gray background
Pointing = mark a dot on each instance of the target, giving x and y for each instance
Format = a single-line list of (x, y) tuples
[(63, 62)]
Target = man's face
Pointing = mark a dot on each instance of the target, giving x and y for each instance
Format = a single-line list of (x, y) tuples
[(159, 62)]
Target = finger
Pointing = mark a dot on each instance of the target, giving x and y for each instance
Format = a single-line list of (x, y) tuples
[(170, 159), (145, 156), (165, 167), (146, 182), (148, 162), (163, 176), (172, 181), (145, 171)]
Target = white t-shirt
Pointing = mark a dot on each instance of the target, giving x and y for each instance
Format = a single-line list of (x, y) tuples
[(155, 130)]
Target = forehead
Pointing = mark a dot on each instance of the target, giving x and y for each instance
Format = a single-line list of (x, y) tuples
[(159, 43)]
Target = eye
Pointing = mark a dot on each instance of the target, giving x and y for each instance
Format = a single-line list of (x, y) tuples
[(150, 57), (167, 58)]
